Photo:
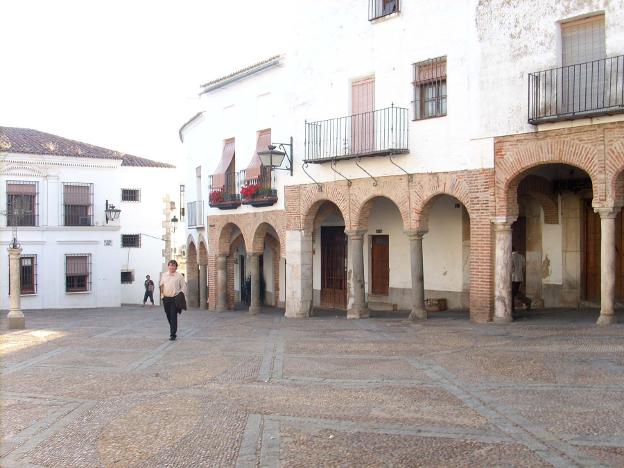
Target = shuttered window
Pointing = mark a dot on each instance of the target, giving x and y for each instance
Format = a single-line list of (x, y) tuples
[(22, 203), (430, 88), (583, 40), (77, 272), (78, 204)]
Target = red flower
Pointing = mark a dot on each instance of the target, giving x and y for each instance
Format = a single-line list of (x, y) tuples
[(249, 190), (216, 196)]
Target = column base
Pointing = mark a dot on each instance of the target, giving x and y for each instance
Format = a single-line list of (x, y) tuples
[(358, 313), (301, 310), (505, 319), (418, 314), (254, 310), (606, 320), (17, 323)]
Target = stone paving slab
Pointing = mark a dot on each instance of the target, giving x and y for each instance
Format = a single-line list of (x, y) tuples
[(104, 387)]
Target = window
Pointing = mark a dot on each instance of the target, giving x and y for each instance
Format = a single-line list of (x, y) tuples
[(430, 88), (78, 204), (127, 277), (583, 40), (131, 195), (381, 8), (22, 203), (131, 240), (28, 275), (77, 272)]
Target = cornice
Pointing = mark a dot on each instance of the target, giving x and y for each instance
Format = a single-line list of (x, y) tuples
[(28, 160)]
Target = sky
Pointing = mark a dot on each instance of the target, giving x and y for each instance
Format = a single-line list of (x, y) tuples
[(123, 74)]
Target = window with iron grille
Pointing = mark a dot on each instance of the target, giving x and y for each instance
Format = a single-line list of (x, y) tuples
[(130, 195), (430, 88), (77, 272), (28, 275), (131, 240), (22, 203), (127, 277), (77, 204)]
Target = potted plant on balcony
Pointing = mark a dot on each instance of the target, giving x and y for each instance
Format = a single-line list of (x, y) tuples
[(216, 197), (248, 192)]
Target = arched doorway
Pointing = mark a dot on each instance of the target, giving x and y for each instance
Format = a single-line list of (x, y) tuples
[(269, 268), (192, 275), (231, 268)]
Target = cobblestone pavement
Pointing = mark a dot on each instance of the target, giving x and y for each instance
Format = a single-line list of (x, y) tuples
[(105, 387)]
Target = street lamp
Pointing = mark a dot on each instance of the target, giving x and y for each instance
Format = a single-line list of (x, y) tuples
[(274, 158), (15, 316), (174, 222), (112, 213)]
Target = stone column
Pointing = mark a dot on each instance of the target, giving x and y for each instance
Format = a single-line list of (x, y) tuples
[(607, 265), (221, 283), (15, 316), (298, 274), (254, 271), (502, 273), (356, 294), (203, 286), (418, 276)]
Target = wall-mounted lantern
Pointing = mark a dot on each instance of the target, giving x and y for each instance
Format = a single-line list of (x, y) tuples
[(112, 213)]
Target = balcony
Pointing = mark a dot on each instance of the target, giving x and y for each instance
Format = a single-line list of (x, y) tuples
[(378, 133), (380, 8), (257, 191), (223, 192), (577, 91), (195, 214)]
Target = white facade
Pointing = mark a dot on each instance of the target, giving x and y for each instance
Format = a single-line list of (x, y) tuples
[(50, 240)]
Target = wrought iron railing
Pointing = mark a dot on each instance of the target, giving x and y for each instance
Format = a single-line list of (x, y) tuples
[(22, 219), (380, 132), (577, 91), (381, 8), (224, 191), (257, 191), (195, 213)]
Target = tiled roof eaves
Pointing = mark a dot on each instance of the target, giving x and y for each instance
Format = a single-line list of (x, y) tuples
[(129, 160), (240, 74)]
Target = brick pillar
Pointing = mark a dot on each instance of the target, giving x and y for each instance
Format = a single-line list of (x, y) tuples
[(418, 277), (502, 276), (221, 283), (356, 294), (254, 271), (607, 265), (203, 286)]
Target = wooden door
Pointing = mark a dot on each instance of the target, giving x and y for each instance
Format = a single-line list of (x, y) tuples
[(380, 265), (363, 117), (591, 273), (333, 267)]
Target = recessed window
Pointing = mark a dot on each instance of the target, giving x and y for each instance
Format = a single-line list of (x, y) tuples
[(77, 272), (22, 203), (130, 195), (28, 275), (131, 240), (430, 88), (127, 277), (78, 204)]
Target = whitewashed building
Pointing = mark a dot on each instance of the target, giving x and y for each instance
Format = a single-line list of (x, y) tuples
[(54, 194), (417, 157)]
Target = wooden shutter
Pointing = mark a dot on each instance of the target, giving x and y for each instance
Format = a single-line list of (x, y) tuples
[(363, 119), (583, 40)]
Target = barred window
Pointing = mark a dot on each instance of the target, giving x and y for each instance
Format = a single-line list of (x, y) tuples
[(22, 203), (28, 275), (430, 88), (78, 204), (77, 272), (131, 240), (127, 277), (131, 195)]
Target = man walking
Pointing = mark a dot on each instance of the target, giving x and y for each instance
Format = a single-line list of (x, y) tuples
[(149, 290), (517, 277), (171, 284)]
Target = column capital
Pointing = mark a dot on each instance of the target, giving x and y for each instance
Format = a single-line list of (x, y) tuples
[(607, 212), (13, 251), (416, 234), (503, 223), (355, 233)]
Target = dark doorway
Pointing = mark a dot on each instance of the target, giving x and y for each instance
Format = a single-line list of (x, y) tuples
[(380, 264), (333, 267)]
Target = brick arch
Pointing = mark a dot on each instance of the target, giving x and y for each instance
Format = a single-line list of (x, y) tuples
[(311, 200), (361, 212), (225, 238), (531, 153), (261, 231), (274, 245), (191, 252), (615, 172), (203, 251), (192, 275), (541, 189), (230, 270), (433, 186)]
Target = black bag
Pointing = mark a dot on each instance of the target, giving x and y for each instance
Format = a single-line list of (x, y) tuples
[(180, 302)]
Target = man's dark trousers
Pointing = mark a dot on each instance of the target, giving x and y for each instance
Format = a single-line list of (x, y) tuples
[(172, 315), (148, 295)]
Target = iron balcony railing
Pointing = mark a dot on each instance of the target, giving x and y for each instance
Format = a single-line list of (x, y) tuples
[(380, 132), (195, 214), (577, 91), (224, 191), (258, 191), (380, 8)]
